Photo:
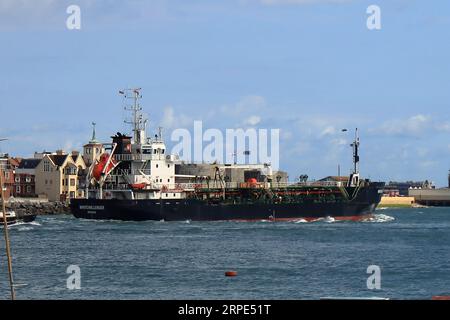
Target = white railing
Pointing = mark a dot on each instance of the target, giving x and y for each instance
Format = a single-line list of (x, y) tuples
[(122, 172), (170, 187), (139, 157)]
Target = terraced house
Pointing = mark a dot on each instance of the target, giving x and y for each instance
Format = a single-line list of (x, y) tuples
[(25, 178), (57, 176)]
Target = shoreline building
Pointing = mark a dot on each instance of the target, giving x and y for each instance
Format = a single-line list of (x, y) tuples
[(432, 196), (93, 149), (401, 189), (25, 178), (8, 166), (57, 176)]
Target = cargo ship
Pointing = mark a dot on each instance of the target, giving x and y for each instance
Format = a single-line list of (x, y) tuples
[(133, 178)]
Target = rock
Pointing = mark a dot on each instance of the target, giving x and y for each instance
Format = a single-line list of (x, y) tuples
[(37, 207)]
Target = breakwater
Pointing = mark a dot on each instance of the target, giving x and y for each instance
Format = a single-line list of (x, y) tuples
[(36, 206)]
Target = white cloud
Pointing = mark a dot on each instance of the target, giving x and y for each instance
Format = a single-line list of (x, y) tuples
[(339, 142), (173, 120), (413, 126), (327, 131), (253, 121), (245, 105)]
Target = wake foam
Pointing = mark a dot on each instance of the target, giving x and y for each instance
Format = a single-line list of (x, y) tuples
[(379, 218)]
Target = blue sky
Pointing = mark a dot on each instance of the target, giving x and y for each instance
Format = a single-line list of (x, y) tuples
[(308, 67)]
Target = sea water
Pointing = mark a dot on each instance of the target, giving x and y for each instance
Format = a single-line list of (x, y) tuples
[(274, 260)]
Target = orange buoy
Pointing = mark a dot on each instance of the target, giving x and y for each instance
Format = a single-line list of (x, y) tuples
[(231, 273)]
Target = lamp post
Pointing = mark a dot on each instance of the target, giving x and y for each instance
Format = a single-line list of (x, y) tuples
[(5, 229)]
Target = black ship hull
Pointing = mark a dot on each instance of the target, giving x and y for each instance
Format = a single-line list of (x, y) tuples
[(362, 206)]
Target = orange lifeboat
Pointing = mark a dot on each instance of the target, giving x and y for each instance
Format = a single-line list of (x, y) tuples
[(252, 182), (99, 168), (138, 186)]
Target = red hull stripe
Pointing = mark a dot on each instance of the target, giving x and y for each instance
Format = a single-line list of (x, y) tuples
[(308, 219)]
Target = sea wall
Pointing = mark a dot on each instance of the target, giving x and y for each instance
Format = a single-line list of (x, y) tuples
[(36, 206), (397, 202)]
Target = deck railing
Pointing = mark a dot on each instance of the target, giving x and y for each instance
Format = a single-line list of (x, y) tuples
[(227, 185)]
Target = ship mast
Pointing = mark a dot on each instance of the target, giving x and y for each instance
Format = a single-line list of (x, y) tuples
[(354, 177), (355, 146), (137, 120)]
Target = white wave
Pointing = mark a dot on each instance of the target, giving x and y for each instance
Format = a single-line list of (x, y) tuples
[(381, 208), (379, 218), (329, 219), (21, 223), (301, 221), (25, 228)]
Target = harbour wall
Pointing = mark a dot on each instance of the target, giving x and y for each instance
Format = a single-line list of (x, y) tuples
[(396, 202), (22, 206)]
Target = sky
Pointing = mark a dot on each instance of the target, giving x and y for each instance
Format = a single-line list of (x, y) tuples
[(306, 67)]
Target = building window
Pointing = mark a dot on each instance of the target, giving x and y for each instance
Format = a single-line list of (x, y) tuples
[(46, 181), (168, 180), (72, 182), (28, 179), (18, 189), (6, 175), (28, 189), (70, 171), (160, 180), (168, 166), (157, 166), (46, 166), (17, 179), (162, 151)]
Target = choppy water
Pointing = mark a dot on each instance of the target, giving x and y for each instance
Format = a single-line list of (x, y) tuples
[(187, 260)]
